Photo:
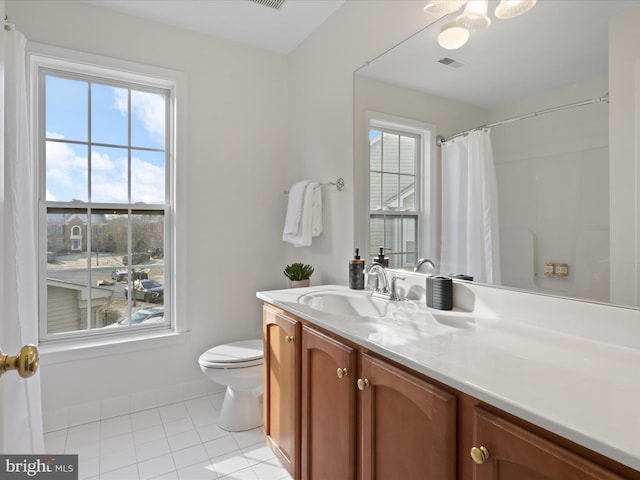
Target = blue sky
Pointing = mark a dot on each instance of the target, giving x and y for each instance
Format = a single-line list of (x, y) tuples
[(67, 163)]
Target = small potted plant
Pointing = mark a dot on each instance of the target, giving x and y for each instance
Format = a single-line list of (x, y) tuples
[(298, 274)]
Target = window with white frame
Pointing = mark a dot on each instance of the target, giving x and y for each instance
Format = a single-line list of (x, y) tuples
[(399, 172), (104, 150)]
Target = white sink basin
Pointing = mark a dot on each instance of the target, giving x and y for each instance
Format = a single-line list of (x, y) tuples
[(353, 303)]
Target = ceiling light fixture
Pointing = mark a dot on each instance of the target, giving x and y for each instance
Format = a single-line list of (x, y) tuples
[(444, 6), (452, 36), (512, 8), (474, 17)]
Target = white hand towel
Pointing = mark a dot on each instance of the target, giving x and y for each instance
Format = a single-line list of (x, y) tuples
[(316, 213), (305, 233), (294, 208), (306, 207)]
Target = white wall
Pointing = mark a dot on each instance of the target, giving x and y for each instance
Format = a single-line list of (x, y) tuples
[(553, 182), (236, 134)]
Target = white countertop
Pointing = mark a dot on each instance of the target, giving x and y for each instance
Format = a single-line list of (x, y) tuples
[(570, 382)]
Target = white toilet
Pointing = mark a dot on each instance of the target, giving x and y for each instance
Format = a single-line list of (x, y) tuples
[(238, 366)]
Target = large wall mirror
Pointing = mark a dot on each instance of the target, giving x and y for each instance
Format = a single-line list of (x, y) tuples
[(559, 187)]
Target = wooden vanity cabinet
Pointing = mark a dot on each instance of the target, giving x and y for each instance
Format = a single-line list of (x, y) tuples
[(408, 426), (504, 450), (281, 400), (333, 410), (328, 408), (401, 426)]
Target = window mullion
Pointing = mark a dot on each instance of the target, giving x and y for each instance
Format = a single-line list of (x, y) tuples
[(88, 222), (131, 299)]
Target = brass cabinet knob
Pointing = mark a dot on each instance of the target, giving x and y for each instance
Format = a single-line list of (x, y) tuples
[(363, 383), (479, 454), (288, 339), (26, 362), (342, 372)]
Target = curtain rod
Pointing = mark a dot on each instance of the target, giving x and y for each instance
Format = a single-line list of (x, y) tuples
[(605, 98)]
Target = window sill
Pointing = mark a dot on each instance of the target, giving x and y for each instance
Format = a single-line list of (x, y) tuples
[(92, 348)]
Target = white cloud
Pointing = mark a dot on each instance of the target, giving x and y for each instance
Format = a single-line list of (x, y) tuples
[(108, 178), (121, 101), (66, 171), (147, 182), (67, 176), (148, 108)]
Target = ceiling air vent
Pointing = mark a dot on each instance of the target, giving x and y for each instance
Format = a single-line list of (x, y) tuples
[(450, 62), (275, 4)]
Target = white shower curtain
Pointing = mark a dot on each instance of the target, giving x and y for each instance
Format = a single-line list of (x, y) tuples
[(22, 403), (470, 234)]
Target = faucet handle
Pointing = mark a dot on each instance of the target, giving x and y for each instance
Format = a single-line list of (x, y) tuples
[(393, 294)]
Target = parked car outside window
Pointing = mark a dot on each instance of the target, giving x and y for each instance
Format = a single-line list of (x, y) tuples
[(119, 275), (146, 315), (147, 290)]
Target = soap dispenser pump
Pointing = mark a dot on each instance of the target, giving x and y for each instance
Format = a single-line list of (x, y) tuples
[(381, 259), (356, 272)]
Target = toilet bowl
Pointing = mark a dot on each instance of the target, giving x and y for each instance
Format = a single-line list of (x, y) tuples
[(238, 366)]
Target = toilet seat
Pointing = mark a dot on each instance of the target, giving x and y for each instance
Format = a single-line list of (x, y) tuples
[(245, 353)]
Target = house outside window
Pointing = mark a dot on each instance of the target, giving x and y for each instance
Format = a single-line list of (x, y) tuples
[(104, 152), (399, 188)]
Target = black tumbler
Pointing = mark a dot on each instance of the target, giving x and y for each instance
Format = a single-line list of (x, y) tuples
[(440, 293)]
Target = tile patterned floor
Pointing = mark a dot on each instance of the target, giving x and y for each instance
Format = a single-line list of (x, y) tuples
[(181, 441)]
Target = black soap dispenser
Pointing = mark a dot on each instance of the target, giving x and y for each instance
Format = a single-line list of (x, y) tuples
[(381, 259), (356, 272)]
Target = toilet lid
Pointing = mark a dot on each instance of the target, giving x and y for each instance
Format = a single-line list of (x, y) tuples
[(245, 351)]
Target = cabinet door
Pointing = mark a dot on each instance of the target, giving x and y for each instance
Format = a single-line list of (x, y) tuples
[(281, 404), (408, 425), (328, 408), (515, 453)]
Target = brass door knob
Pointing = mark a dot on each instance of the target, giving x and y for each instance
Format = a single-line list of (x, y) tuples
[(342, 372), (363, 383), (288, 339), (479, 454), (26, 362)]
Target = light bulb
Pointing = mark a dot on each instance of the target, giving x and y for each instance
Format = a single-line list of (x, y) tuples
[(453, 36)]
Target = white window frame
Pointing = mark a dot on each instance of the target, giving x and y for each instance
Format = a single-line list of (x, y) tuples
[(77, 343), (426, 187)]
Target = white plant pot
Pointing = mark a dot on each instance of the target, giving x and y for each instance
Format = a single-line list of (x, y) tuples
[(300, 283)]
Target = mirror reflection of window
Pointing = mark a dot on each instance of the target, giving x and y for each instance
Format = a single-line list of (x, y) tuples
[(396, 160)]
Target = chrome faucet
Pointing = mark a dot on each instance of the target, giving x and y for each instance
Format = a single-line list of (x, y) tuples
[(381, 276), (421, 262), (388, 290), (393, 293)]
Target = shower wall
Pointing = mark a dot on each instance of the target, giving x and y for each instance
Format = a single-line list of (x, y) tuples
[(553, 180)]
